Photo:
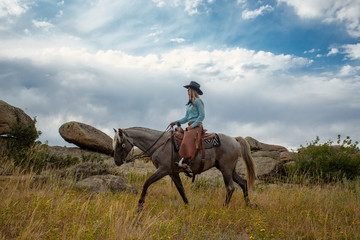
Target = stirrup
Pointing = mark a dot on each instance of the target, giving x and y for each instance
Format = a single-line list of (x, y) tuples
[(181, 162)]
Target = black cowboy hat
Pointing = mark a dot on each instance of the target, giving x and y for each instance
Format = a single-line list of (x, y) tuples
[(194, 85)]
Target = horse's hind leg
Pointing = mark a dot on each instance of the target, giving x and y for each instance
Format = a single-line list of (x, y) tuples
[(153, 178), (243, 184), (229, 187), (176, 179)]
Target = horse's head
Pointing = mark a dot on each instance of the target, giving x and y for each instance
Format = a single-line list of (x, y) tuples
[(122, 146)]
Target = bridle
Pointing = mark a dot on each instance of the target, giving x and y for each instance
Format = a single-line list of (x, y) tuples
[(147, 151)]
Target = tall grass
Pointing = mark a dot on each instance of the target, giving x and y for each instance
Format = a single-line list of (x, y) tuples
[(33, 209)]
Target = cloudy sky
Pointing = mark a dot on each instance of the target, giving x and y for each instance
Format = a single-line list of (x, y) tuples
[(281, 71)]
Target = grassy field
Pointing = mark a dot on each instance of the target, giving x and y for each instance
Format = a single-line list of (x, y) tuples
[(31, 209)]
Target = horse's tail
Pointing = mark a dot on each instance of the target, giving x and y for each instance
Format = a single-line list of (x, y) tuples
[(249, 162)]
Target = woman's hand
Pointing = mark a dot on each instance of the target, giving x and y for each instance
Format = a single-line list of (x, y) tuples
[(189, 128), (172, 124)]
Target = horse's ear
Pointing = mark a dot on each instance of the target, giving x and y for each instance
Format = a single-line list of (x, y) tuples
[(120, 131), (114, 130)]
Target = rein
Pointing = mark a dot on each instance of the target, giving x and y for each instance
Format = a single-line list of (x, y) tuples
[(168, 128)]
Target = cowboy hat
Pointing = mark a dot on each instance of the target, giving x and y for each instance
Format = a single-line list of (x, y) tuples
[(194, 85)]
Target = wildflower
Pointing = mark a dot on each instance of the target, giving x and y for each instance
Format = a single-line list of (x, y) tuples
[(262, 230)]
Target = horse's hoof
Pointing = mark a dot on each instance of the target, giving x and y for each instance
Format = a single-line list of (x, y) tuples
[(252, 205), (140, 208)]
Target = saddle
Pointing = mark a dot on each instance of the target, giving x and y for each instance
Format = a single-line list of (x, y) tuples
[(206, 140)]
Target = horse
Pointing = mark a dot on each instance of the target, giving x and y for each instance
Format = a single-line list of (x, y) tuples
[(159, 145)]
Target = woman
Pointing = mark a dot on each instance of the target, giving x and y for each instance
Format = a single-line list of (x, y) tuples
[(194, 117)]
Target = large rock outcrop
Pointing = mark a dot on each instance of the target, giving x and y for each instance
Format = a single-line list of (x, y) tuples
[(105, 183), (86, 137), (11, 117), (255, 145), (268, 159)]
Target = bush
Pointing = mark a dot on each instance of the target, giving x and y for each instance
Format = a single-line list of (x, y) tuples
[(25, 153), (36, 158), (327, 162), (23, 137)]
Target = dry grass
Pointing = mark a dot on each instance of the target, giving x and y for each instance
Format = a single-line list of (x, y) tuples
[(30, 209)]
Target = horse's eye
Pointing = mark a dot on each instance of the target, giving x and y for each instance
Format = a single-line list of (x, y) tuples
[(123, 145)]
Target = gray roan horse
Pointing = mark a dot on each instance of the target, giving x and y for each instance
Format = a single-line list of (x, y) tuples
[(164, 158)]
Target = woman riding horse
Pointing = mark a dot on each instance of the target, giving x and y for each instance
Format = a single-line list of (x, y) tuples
[(194, 116)]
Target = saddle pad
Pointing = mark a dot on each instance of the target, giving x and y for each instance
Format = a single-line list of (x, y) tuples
[(209, 143), (212, 142)]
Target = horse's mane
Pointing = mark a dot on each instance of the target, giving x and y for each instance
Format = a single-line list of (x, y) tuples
[(148, 130)]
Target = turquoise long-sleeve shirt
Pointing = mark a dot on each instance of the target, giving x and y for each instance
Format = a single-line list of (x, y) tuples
[(194, 113)]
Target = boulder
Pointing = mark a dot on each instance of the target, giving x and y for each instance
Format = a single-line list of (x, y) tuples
[(266, 167), (86, 136), (87, 169), (255, 145), (268, 159), (286, 157), (11, 116), (271, 154), (105, 183)]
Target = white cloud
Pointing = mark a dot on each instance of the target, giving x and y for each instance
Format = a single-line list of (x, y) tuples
[(247, 14), (312, 50), (61, 12), (12, 8), (348, 70), (177, 40), (154, 34), (352, 51), (159, 3), (333, 51), (233, 62), (42, 24), (346, 11), (61, 3), (95, 15), (193, 7)]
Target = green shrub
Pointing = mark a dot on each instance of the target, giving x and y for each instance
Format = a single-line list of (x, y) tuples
[(36, 158), (25, 153), (92, 157), (22, 137), (327, 162)]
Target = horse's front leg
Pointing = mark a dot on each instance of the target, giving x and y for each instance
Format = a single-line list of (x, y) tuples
[(160, 173), (177, 180)]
